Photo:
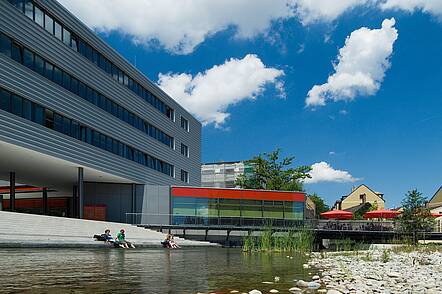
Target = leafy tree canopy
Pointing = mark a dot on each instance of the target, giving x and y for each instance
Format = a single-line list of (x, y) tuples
[(272, 173), (415, 216), (320, 204)]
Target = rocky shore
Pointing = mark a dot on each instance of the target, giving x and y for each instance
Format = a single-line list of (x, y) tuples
[(379, 271)]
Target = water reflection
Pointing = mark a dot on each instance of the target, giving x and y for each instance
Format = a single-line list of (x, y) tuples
[(144, 270)]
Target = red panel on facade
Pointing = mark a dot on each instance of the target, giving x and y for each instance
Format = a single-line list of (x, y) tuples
[(37, 203), (237, 194), (20, 189)]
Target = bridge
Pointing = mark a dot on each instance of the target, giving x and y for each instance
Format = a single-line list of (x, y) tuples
[(228, 230)]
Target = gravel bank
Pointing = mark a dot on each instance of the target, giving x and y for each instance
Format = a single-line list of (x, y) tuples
[(380, 271)]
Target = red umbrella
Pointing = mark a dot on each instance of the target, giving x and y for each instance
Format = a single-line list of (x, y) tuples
[(436, 214), (382, 213), (337, 214)]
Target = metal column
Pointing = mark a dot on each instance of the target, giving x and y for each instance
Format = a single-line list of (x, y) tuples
[(80, 191), (45, 201), (12, 191)]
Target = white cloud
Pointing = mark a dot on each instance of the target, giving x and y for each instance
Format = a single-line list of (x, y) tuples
[(180, 25), (361, 65), (323, 172), (208, 95), (311, 11), (428, 6)]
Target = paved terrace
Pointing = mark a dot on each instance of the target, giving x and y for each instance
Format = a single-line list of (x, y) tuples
[(29, 230)]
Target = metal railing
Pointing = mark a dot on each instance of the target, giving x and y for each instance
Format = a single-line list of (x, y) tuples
[(154, 219)]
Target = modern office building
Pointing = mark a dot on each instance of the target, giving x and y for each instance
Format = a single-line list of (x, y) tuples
[(81, 123), (223, 174)]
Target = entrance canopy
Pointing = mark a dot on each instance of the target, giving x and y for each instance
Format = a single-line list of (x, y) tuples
[(337, 214), (382, 213)]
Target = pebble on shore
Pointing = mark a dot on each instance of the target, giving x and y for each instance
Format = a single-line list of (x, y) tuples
[(377, 272)]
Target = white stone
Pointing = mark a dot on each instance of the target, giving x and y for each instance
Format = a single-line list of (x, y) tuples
[(295, 290), (254, 291), (313, 285), (301, 283), (274, 291), (315, 278), (333, 291)]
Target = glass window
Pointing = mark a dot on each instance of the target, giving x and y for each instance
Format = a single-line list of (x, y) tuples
[(96, 139), (38, 116), (82, 47), (49, 118), (58, 123), (66, 36), (88, 52), (184, 176), (114, 72), (88, 135), (94, 56), (89, 94), (49, 71), (5, 45), (184, 123), (58, 30), (27, 109), (5, 100), (75, 130), (38, 16), (16, 53), (16, 105), (120, 76), (82, 90), (184, 150), (49, 24), (74, 42), (66, 126), (229, 207), (29, 9), (102, 141), (102, 102), (39, 65), (58, 76), (66, 81), (19, 4), (108, 66), (74, 85), (109, 144), (28, 59)]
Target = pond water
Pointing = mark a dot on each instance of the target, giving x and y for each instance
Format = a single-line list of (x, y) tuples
[(191, 270)]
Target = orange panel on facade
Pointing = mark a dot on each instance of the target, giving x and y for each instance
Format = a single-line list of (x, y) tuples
[(237, 194)]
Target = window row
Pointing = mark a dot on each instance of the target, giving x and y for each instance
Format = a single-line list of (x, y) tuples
[(46, 21), (55, 74), (32, 111)]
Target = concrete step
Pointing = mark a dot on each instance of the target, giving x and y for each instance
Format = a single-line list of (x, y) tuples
[(29, 230)]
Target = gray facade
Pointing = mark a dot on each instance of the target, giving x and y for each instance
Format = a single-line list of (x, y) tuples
[(42, 156)]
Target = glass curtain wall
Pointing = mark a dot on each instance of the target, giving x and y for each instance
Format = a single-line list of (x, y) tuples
[(235, 212)]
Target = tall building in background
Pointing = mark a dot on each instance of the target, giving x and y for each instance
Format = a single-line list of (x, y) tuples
[(223, 174), (80, 122)]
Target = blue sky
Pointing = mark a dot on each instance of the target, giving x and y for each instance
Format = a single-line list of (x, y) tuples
[(388, 135)]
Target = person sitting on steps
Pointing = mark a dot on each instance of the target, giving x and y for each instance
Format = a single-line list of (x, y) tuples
[(121, 240)]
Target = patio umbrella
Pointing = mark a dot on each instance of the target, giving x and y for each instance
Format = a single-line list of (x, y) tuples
[(337, 214), (436, 214), (382, 213)]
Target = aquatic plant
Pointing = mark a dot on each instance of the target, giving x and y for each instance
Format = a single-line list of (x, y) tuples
[(269, 241)]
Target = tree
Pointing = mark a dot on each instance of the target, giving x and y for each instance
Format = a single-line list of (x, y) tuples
[(271, 173), (415, 218), (320, 204)]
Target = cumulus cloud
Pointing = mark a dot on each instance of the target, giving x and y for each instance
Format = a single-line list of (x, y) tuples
[(323, 172), (361, 65), (208, 94), (429, 6), (179, 26), (310, 11)]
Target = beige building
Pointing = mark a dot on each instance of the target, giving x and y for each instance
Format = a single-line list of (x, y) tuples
[(310, 208), (359, 197), (436, 200)]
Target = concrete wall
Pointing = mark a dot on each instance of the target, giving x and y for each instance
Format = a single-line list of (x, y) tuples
[(155, 207)]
